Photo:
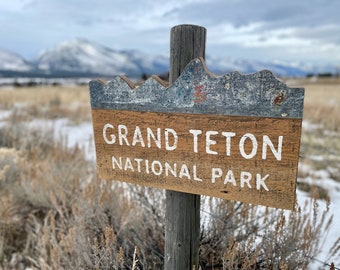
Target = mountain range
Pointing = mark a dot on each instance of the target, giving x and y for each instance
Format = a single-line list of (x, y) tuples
[(83, 58)]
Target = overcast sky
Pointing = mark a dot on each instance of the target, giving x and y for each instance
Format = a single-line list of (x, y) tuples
[(289, 30)]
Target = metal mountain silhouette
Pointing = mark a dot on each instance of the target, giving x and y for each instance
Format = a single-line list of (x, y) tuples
[(198, 91)]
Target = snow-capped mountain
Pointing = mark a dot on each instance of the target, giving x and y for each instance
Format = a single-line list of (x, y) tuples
[(221, 66), (10, 61), (84, 57)]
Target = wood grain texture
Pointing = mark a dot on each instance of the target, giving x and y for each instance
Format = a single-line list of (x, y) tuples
[(182, 230), (200, 163)]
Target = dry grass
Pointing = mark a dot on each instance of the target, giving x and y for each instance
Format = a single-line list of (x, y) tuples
[(44, 96), (242, 236), (320, 143), (55, 214), (48, 102), (322, 101)]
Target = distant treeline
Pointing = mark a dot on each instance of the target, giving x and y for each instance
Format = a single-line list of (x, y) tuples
[(323, 75), (33, 82)]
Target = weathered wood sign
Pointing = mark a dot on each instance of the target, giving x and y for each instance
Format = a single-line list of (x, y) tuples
[(235, 136)]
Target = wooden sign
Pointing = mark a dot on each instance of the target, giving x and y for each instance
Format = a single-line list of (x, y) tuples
[(235, 137)]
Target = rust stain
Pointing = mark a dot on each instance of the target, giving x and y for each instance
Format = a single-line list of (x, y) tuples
[(279, 99), (200, 95)]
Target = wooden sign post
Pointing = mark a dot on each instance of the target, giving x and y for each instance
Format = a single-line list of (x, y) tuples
[(235, 137), (182, 228)]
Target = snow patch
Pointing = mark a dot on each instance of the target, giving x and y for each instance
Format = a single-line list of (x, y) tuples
[(308, 126), (322, 179)]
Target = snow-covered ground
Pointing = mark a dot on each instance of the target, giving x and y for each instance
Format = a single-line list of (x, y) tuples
[(76, 135), (72, 135), (322, 178)]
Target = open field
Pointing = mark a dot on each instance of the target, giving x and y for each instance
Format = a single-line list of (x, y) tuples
[(48, 102), (321, 128), (55, 214)]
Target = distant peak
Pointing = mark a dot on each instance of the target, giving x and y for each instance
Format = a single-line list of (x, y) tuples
[(75, 41)]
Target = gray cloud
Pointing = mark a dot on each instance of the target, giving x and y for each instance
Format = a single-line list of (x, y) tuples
[(255, 28)]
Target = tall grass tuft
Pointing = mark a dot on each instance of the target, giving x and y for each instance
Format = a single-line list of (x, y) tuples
[(55, 214), (243, 236)]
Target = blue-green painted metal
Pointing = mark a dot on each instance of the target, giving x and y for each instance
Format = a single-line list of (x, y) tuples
[(197, 91)]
